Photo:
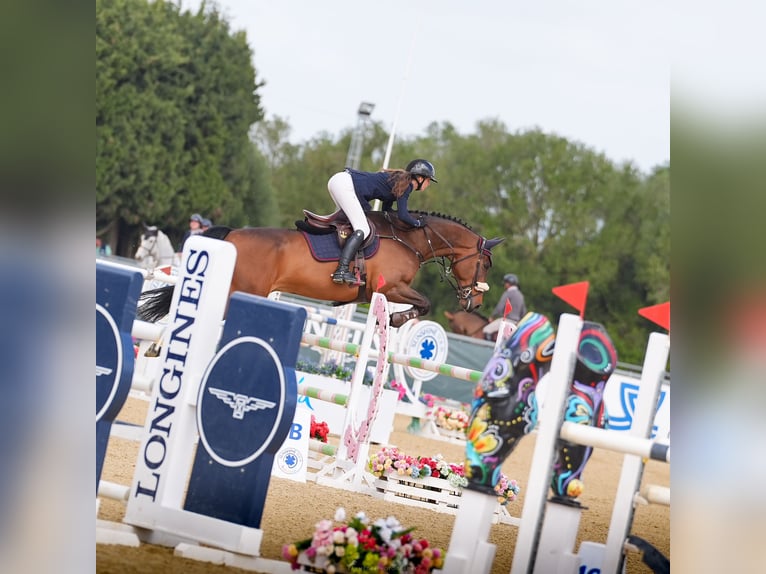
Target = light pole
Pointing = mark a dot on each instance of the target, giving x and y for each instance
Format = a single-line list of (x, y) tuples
[(354, 157)]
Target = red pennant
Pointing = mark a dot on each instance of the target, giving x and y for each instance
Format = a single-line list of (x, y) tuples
[(508, 308), (381, 282), (575, 294), (658, 314), (166, 269)]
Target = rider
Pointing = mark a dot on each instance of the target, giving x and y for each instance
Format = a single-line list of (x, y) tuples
[(352, 190)]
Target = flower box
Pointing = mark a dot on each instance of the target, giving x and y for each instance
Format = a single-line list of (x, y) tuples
[(435, 494)]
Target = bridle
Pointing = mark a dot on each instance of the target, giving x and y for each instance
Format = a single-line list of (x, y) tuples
[(448, 262), (144, 251), (465, 291)]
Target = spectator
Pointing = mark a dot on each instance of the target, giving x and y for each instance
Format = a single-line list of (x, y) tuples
[(102, 249), (206, 223), (515, 298), (195, 228)]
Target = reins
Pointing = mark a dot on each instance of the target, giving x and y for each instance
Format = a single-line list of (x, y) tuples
[(445, 262)]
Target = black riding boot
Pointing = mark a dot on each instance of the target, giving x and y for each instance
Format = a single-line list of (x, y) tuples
[(352, 245)]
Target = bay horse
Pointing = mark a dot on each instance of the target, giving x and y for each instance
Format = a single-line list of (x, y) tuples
[(468, 324), (275, 259)]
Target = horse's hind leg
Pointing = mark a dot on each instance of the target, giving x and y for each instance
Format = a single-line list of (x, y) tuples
[(407, 296)]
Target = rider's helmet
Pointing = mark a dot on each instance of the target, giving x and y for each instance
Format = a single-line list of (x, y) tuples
[(511, 278), (422, 167)]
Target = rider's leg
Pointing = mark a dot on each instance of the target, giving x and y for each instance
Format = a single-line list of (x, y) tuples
[(341, 189), (342, 273)]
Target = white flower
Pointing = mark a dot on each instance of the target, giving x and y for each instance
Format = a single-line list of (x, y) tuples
[(340, 514), (383, 530), (362, 517), (338, 537), (393, 523)]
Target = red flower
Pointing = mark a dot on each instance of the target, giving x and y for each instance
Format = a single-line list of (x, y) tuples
[(319, 431)]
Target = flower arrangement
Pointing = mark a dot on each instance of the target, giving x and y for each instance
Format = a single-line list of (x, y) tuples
[(361, 546), (319, 430), (389, 460), (449, 419)]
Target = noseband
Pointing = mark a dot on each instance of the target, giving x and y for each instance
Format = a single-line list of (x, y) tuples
[(447, 262), (465, 292)]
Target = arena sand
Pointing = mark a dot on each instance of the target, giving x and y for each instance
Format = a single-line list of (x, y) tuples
[(293, 508)]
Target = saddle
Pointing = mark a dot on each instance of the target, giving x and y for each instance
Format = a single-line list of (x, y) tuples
[(337, 223)]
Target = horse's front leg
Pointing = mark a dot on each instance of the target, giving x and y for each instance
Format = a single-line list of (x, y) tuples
[(407, 296)]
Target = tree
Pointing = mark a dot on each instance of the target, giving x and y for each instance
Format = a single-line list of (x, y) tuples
[(176, 94)]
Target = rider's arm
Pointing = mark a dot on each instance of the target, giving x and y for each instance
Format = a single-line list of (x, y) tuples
[(403, 212)]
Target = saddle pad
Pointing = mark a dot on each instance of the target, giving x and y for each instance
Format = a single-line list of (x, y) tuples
[(325, 247)]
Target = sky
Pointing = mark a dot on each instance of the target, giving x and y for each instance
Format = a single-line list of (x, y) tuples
[(596, 71)]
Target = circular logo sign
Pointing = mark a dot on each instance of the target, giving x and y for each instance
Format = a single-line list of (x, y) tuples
[(109, 360), (425, 340), (290, 461), (241, 402)]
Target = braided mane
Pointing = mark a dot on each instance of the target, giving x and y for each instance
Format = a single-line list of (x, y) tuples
[(443, 216)]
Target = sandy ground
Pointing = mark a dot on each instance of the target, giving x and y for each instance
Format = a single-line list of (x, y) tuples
[(293, 508)]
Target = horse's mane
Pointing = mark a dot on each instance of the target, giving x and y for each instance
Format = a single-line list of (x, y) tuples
[(443, 216)]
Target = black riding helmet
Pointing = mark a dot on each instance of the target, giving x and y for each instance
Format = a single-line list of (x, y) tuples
[(422, 167)]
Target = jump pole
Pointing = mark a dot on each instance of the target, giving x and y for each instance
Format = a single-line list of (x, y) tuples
[(397, 358), (655, 361)]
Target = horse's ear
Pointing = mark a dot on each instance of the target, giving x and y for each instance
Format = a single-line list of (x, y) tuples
[(493, 242), (449, 315)]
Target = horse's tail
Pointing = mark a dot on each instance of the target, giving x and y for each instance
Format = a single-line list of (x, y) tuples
[(155, 303)]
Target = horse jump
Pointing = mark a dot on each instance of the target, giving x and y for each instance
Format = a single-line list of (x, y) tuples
[(196, 385), (545, 545)]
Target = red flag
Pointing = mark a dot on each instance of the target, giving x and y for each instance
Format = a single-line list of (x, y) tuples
[(659, 314), (508, 308), (381, 282), (166, 269), (575, 294)]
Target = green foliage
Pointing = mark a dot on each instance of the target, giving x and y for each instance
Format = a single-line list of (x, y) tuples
[(176, 94), (177, 106)]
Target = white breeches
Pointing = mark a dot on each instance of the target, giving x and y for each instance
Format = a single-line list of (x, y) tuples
[(341, 189)]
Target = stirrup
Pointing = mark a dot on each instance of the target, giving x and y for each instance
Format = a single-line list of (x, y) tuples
[(347, 277)]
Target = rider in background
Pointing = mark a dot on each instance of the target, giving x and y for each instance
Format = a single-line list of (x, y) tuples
[(512, 295), (352, 190), (195, 228)]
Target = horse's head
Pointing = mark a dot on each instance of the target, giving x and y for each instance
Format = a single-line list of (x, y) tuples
[(468, 257), (147, 250)]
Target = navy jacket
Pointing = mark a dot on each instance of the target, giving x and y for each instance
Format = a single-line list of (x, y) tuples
[(376, 185)]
